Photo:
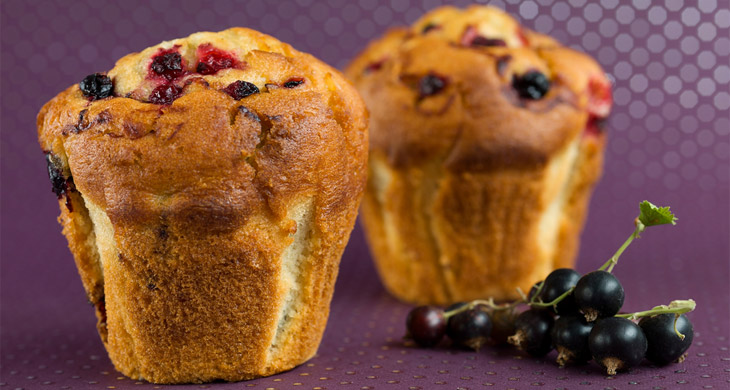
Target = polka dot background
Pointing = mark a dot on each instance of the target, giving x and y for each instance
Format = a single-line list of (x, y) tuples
[(669, 135)]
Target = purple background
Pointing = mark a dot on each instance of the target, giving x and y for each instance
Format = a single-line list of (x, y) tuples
[(668, 143)]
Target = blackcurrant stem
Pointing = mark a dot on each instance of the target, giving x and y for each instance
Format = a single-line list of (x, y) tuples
[(488, 302), (608, 265), (537, 293), (553, 302), (677, 308), (469, 306)]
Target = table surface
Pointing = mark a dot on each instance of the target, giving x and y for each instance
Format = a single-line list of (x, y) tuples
[(668, 142)]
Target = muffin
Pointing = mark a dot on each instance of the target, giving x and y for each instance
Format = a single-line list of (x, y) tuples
[(486, 141), (208, 186)]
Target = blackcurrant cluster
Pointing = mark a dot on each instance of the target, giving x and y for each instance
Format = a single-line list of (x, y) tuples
[(573, 314)]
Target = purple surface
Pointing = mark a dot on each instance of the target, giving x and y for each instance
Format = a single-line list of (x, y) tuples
[(668, 143)]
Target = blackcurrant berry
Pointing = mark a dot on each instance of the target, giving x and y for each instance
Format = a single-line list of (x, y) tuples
[(503, 326), (556, 284), (617, 344), (97, 86), (570, 339), (470, 328), (599, 294), (532, 332), (426, 325), (531, 85), (431, 84), (665, 345)]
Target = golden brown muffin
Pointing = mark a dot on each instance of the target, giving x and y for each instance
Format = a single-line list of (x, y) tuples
[(485, 145), (208, 186)]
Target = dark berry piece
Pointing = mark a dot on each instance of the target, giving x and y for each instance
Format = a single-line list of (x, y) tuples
[(617, 344), (502, 62), (570, 339), (165, 94), (556, 284), (503, 326), (470, 328), (168, 65), (97, 86), (249, 114), (532, 332), (483, 41), (431, 84), (240, 89), (599, 294), (55, 174), (426, 325), (665, 345), (292, 83), (531, 85), (211, 60), (428, 27)]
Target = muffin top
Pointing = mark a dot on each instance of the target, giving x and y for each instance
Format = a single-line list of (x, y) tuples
[(221, 123), (474, 88)]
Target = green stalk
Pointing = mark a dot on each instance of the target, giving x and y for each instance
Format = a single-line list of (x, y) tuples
[(677, 308), (553, 302), (608, 265)]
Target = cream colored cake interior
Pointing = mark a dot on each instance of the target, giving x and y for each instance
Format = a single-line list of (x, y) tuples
[(291, 281), (104, 231), (381, 179), (558, 176)]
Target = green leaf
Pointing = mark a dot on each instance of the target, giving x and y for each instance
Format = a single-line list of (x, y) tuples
[(651, 215)]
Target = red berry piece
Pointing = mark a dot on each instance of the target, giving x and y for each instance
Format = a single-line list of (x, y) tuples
[(595, 126), (211, 60), (431, 84), (374, 66), (426, 325), (471, 37), (599, 97), (165, 94), (294, 82), (167, 64), (240, 89), (97, 86)]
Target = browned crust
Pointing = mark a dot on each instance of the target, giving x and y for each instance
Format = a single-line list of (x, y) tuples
[(200, 196), (470, 168)]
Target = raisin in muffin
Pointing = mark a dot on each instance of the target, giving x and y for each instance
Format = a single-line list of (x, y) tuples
[(485, 145), (208, 186)]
